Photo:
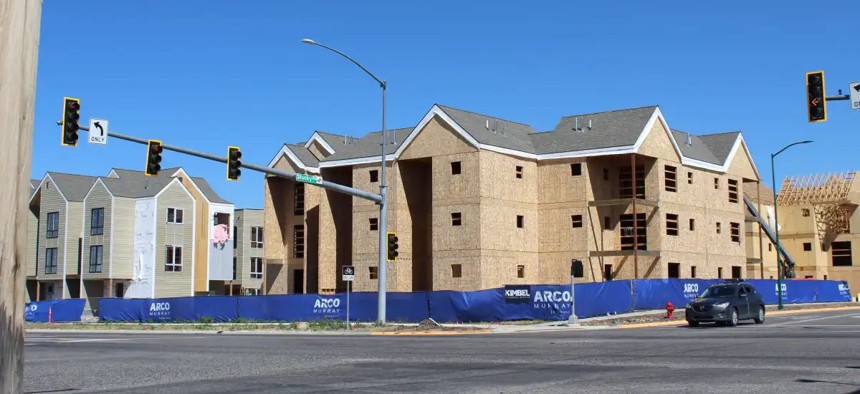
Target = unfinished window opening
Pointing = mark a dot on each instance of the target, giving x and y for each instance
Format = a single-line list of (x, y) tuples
[(456, 270), (735, 232), (374, 224), (770, 247), (841, 254), (719, 228), (521, 271), (719, 272), (519, 172), (692, 224), (736, 272), (625, 182), (671, 181), (693, 272), (455, 168), (733, 190), (521, 221), (690, 177), (805, 212), (605, 174), (607, 223), (674, 270), (716, 183), (671, 224), (576, 220), (299, 241), (576, 169), (807, 246), (299, 199), (456, 219), (372, 271), (374, 176), (627, 238), (607, 272)]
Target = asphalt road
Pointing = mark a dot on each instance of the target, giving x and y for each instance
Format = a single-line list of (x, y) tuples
[(816, 352)]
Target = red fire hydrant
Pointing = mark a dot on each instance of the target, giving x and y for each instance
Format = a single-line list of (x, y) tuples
[(669, 309)]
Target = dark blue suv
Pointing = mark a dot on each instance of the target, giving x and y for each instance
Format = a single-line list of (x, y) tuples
[(726, 303)]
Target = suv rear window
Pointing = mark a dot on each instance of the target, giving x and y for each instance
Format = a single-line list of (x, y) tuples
[(720, 291)]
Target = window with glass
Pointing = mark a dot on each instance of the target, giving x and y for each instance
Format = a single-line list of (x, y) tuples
[(97, 221)]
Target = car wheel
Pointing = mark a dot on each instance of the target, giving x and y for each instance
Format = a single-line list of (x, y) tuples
[(760, 317), (693, 323), (733, 321)]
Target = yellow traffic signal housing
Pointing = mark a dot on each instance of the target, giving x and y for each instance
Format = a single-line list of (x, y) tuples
[(153, 157), (69, 124)]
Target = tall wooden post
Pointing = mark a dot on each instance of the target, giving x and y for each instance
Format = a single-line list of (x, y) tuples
[(19, 45)]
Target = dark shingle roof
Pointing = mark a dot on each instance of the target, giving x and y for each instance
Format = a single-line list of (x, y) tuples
[(501, 133), (305, 155), (721, 144), (34, 183), (368, 146), (74, 187), (608, 130), (207, 191), (697, 149), (135, 184)]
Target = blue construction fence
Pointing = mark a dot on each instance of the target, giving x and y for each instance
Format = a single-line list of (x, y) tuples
[(56, 311), (515, 302)]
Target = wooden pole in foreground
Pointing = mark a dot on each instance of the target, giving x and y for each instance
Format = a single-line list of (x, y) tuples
[(19, 46)]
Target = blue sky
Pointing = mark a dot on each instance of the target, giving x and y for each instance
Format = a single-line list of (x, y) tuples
[(208, 74)]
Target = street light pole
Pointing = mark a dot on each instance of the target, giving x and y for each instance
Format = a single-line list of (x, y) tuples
[(779, 268), (383, 193)]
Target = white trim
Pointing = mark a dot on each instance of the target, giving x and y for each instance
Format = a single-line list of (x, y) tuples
[(319, 139), (193, 242), (435, 111), (285, 151), (658, 115), (740, 140), (113, 171), (98, 180), (47, 176), (83, 238), (112, 240), (360, 160), (186, 176)]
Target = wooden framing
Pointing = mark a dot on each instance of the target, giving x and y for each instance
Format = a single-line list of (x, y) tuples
[(829, 196)]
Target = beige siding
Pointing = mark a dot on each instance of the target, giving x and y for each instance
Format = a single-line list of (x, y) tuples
[(122, 245), (52, 201), (201, 239), (99, 197), (33, 230), (174, 284), (245, 220), (74, 234)]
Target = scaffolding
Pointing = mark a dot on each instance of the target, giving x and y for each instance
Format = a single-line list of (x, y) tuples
[(829, 196)]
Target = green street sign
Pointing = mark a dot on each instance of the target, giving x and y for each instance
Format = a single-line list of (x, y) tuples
[(307, 178)]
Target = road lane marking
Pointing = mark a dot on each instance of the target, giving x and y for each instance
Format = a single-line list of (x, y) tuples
[(813, 319)]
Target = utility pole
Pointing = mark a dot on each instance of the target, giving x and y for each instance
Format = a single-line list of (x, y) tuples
[(19, 46)]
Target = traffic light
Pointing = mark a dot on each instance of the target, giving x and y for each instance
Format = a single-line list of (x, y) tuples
[(153, 157), (69, 124), (816, 103), (233, 163), (392, 246)]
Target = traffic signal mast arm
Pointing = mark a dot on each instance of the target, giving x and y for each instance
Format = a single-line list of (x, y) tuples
[(266, 170)]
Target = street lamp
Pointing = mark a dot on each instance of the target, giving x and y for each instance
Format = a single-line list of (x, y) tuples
[(780, 270), (383, 205)]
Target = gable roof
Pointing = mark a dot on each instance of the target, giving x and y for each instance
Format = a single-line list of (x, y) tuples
[(608, 130), (72, 186), (207, 191), (135, 184), (601, 133), (34, 183)]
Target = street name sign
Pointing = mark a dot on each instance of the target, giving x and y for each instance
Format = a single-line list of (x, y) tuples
[(307, 178), (854, 93), (98, 131), (347, 273)]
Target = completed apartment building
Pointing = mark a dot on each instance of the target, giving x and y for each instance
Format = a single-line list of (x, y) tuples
[(247, 252), (479, 202), (127, 235)]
